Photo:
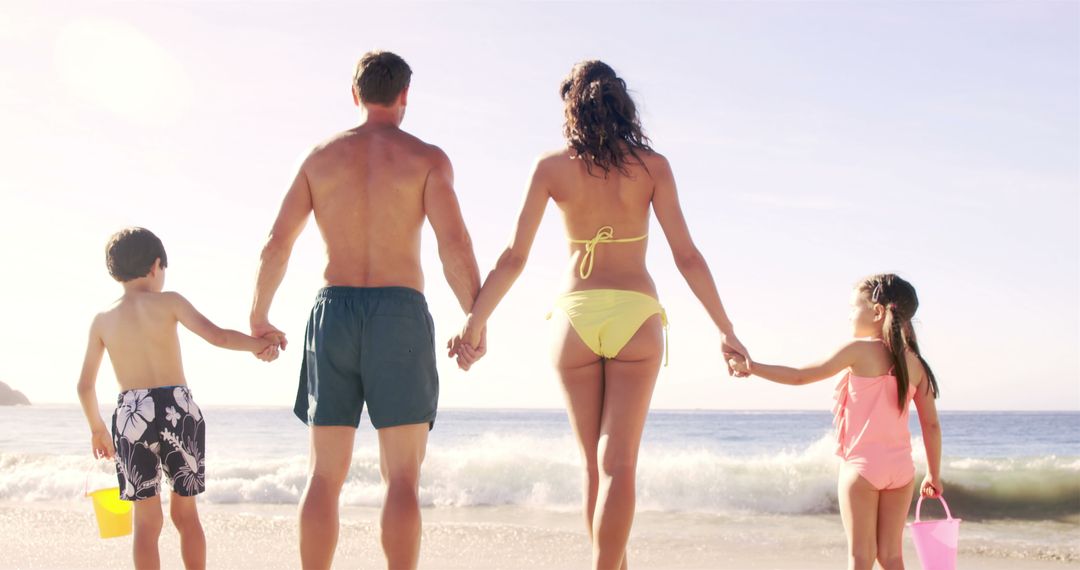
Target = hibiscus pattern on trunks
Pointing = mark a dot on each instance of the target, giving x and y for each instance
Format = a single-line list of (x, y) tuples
[(159, 431)]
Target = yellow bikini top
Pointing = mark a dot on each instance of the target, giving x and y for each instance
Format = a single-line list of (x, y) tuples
[(605, 234)]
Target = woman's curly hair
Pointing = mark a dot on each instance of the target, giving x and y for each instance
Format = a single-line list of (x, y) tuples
[(602, 124)]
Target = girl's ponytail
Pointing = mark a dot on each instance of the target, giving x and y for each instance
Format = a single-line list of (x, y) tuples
[(900, 302)]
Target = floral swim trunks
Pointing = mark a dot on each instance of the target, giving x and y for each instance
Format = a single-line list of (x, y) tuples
[(159, 428)]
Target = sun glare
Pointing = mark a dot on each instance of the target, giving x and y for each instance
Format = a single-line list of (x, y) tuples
[(115, 65)]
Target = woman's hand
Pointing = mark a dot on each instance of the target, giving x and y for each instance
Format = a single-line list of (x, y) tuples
[(734, 350), (931, 487), (739, 365)]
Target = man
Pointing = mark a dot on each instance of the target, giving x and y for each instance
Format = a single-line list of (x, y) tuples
[(369, 337)]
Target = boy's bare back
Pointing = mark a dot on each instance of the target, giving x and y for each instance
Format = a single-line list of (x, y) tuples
[(139, 333)]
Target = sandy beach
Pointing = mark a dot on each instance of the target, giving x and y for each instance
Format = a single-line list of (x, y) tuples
[(63, 535)]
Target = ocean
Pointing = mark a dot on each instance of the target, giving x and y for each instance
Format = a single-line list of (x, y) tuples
[(997, 465)]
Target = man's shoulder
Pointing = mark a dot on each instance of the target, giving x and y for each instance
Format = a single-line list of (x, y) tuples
[(422, 148)]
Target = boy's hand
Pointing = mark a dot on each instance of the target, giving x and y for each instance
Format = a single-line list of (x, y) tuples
[(740, 365), (102, 445)]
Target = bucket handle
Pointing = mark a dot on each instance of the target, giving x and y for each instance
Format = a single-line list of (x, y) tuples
[(918, 507), (86, 480)]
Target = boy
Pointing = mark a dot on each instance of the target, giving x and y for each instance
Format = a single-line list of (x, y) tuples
[(156, 424)]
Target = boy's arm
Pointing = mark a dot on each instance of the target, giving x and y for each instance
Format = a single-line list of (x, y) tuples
[(100, 441), (195, 322), (843, 358)]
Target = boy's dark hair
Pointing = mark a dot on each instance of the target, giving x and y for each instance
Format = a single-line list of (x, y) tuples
[(380, 77), (131, 252)]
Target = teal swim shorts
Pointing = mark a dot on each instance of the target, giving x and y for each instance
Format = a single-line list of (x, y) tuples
[(368, 344)]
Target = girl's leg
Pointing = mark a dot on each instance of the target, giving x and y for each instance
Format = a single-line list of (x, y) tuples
[(628, 387), (147, 526), (893, 509), (185, 517), (582, 375), (859, 511)]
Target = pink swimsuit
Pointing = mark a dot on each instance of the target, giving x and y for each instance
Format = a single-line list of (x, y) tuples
[(872, 432)]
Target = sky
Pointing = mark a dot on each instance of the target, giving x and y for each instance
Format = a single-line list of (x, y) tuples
[(813, 143)]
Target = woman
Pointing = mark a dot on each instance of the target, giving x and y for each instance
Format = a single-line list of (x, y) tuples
[(609, 323)]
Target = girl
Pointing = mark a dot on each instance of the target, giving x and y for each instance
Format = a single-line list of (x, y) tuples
[(885, 372), (608, 340)]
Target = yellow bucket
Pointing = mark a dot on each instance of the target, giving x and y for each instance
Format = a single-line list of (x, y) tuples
[(113, 514)]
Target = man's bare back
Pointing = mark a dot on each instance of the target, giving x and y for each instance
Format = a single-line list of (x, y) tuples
[(367, 192)]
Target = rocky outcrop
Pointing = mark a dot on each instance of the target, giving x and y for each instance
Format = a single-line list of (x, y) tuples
[(10, 397)]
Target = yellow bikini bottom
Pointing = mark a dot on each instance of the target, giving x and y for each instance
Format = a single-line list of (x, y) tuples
[(606, 319)]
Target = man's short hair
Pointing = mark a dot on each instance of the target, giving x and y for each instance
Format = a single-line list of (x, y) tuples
[(131, 252), (380, 77)]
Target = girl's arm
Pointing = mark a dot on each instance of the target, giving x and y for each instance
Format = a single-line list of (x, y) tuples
[(931, 433), (215, 335), (510, 264), (100, 442), (691, 264), (843, 358)]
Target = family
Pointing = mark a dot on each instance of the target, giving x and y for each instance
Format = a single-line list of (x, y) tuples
[(370, 337)]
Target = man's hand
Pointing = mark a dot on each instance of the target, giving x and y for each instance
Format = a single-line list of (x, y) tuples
[(264, 329), (101, 444)]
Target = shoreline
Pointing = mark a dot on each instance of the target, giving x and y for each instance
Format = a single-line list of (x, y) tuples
[(264, 536)]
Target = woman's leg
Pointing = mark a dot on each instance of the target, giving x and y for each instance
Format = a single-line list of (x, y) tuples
[(582, 375), (859, 511), (893, 509), (629, 380)]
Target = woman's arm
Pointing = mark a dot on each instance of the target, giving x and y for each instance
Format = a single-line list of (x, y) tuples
[(511, 262), (688, 258), (931, 432), (841, 359)]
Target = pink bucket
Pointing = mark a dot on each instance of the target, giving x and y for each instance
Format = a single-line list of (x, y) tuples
[(936, 541)]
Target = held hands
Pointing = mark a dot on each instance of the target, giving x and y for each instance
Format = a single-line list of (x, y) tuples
[(275, 340), (738, 366), (931, 487), (469, 345), (101, 444), (735, 353)]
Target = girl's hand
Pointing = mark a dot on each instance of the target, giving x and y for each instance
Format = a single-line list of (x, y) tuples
[(102, 445), (931, 487)]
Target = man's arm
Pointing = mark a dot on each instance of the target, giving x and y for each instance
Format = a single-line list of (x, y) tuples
[(274, 260), (455, 246), (100, 442)]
